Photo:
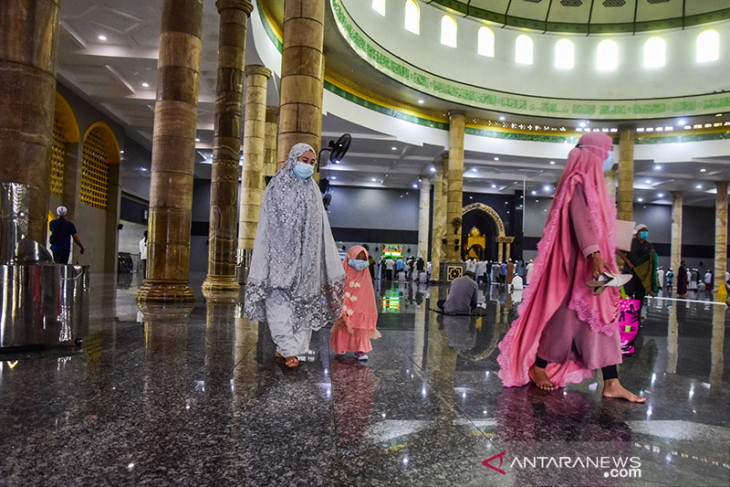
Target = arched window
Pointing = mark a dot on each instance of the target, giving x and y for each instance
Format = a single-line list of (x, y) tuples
[(607, 55), (413, 16), (654, 53), (708, 46), (448, 31), (564, 54), (523, 49), (379, 6), (485, 42)]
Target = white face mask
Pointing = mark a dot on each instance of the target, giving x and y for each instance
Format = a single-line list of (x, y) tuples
[(303, 170), (608, 163)]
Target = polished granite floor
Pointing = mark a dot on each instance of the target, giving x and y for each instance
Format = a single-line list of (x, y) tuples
[(191, 395)]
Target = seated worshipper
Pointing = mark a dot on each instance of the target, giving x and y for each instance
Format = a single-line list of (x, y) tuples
[(564, 330), (462, 298), (296, 282)]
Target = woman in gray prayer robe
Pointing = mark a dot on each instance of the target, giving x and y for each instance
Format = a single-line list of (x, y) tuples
[(296, 281)]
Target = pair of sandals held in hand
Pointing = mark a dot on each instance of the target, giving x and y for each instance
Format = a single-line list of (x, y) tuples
[(608, 279)]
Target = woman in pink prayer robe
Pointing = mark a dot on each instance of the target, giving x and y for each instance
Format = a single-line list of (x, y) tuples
[(564, 332)]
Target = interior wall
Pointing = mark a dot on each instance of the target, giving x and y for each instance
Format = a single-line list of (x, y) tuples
[(584, 81)]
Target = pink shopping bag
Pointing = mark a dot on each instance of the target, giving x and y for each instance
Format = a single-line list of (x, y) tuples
[(628, 323)]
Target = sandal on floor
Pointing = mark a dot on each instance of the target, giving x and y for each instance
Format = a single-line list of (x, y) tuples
[(608, 280)]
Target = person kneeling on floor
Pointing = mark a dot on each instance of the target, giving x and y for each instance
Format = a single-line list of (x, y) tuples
[(462, 298)]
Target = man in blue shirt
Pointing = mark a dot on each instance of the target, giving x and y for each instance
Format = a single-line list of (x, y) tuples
[(62, 231)]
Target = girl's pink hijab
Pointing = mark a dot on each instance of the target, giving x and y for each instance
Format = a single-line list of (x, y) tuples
[(359, 308), (550, 281)]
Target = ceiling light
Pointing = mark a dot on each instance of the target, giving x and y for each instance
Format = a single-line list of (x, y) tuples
[(501, 119), (687, 127), (699, 186), (197, 139), (657, 167), (373, 180), (533, 192), (473, 169), (101, 37), (648, 181), (547, 188), (432, 169), (496, 158), (703, 170), (640, 129), (494, 186), (640, 200), (680, 121), (718, 114), (415, 186), (552, 162), (583, 124), (145, 85), (394, 148), (420, 101), (333, 178), (661, 195)]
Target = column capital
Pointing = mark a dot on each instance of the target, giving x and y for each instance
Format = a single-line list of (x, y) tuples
[(720, 184), (456, 113), (257, 69), (244, 5)]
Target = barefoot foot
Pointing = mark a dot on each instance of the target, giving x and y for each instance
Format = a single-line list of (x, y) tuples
[(613, 388), (540, 378), (292, 362)]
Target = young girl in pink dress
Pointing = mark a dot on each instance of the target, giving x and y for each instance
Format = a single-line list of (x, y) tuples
[(354, 329)]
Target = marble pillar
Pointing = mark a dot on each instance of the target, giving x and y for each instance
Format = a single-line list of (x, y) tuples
[(424, 210), (302, 76), (720, 240), (456, 183), (272, 130), (676, 237), (610, 177), (717, 355), (226, 145), (439, 220), (28, 42), (254, 152), (173, 153), (625, 194)]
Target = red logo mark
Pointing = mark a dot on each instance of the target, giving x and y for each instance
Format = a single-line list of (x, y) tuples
[(498, 455)]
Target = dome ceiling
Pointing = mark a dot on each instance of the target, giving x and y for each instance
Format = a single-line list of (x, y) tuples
[(591, 16)]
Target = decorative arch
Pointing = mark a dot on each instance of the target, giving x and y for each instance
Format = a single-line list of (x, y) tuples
[(489, 211), (109, 140), (66, 119)]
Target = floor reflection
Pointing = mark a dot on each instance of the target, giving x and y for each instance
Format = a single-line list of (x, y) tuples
[(191, 394)]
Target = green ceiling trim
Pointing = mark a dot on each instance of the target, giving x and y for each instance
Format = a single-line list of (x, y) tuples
[(674, 139), (478, 97), (267, 27), (580, 28)]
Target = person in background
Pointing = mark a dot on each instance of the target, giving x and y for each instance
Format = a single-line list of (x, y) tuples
[(641, 261), (708, 280), (503, 272), (143, 255), (660, 277), (62, 231), (510, 272), (389, 266), (564, 331), (682, 280), (462, 298), (670, 280), (296, 283), (371, 266), (528, 272)]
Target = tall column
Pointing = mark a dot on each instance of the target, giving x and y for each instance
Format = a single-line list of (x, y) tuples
[(302, 76), (676, 245), (611, 183), (272, 130), (424, 209), (626, 173), (254, 152), (456, 184), (439, 220), (28, 41), (226, 145), (173, 153), (720, 239)]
